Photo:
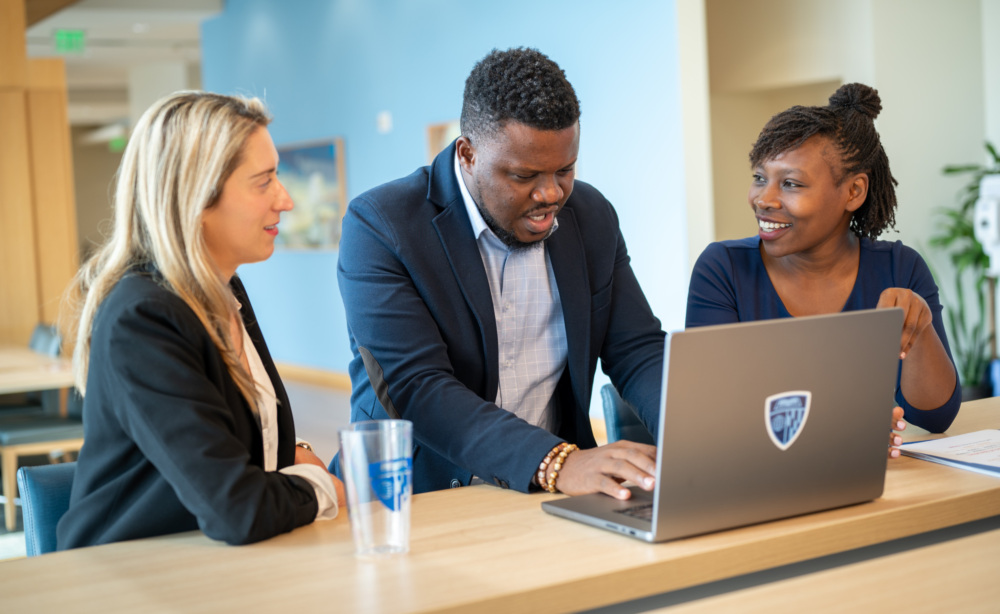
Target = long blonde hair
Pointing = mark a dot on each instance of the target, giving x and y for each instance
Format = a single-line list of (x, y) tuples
[(180, 154)]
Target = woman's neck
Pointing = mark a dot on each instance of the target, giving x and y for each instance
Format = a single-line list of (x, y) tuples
[(827, 259)]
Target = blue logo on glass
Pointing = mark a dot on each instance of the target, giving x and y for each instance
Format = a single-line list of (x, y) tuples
[(391, 481), (785, 415)]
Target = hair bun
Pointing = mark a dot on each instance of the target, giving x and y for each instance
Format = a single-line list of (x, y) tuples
[(857, 97)]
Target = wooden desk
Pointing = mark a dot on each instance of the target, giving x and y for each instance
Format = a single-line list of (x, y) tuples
[(488, 549), (958, 576), (22, 370)]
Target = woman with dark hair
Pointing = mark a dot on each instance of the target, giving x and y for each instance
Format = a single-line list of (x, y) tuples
[(822, 194)]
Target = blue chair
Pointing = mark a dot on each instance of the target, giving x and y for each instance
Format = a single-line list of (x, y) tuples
[(44, 499), (29, 435), (620, 419)]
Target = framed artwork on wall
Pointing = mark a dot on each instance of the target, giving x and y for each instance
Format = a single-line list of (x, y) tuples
[(440, 136), (314, 175)]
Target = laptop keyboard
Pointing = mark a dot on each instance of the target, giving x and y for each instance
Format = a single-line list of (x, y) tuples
[(643, 511)]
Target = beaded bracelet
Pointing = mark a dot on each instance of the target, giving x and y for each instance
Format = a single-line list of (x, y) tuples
[(564, 450), (543, 466)]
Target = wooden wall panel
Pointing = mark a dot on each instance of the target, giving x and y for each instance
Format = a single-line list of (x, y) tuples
[(38, 238), (18, 269), (52, 183), (13, 47)]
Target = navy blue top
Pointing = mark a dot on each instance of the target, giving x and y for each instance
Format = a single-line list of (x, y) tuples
[(730, 284)]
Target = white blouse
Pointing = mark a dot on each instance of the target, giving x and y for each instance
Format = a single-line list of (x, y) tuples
[(326, 496)]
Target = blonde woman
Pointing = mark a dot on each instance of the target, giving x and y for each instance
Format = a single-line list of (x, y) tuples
[(187, 424)]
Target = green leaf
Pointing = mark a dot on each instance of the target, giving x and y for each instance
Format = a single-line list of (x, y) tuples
[(965, 307), (993, 152), (963, 168)]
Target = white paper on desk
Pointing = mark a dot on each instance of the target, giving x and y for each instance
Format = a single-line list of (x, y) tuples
[(978, 451)]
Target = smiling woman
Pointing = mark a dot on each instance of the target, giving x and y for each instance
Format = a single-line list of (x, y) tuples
[(186, 423), (241, 226), (822, 193)]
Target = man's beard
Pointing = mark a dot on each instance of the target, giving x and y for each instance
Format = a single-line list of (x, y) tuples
[(507, 236)]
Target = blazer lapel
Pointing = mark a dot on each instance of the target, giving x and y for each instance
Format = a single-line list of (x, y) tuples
[(455, 233), (569, 264), (286, 424)]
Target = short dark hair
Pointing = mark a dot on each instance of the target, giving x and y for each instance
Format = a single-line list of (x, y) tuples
[(849, 122), (519, 84)]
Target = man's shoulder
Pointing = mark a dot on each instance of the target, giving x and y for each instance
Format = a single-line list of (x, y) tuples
[(410, 187), (584, 193), (589, 205), (407, 199)]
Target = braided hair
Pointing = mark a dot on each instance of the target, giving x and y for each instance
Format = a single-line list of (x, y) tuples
[(519, 84), (848, 122)]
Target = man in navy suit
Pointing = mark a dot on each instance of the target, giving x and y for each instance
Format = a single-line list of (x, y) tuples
[(481, 291)]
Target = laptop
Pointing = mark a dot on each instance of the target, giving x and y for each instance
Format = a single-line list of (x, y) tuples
[(762, 420)]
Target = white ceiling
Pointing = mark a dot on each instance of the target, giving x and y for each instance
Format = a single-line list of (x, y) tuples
[(121, 36)]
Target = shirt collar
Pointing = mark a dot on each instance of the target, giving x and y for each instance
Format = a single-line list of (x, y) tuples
[(478, 223)]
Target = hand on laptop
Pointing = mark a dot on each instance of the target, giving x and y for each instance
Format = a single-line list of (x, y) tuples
[(603, 469), (894, 438)]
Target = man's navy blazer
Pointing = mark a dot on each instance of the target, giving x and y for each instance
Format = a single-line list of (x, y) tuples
[(418, 306)]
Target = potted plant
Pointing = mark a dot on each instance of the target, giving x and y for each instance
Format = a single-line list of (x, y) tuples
[(970, 309)]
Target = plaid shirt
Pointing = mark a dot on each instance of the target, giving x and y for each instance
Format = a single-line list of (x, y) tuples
[(531, 333)]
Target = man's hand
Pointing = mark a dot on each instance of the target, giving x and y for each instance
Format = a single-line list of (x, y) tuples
[(603, 469)]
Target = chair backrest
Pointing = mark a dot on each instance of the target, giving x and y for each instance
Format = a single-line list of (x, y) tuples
[(45, 339), (44, 499), (621, 420)]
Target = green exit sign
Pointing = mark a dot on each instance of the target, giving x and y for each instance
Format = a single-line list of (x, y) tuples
[(117, 144), (70, 41)]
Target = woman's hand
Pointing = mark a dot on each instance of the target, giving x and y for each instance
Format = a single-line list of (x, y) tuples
[(897, 425), (304, 456), (928, 377), (916, 314)]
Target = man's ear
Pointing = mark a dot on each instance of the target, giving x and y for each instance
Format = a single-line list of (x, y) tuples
[(857, 191), (466, 153)]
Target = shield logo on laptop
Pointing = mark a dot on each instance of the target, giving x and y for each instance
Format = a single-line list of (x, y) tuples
[(785, 415)]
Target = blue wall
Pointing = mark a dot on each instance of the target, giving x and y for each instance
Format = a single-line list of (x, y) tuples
[(327, 67)]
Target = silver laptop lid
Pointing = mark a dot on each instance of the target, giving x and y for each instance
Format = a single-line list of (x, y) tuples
[(775, 418)]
